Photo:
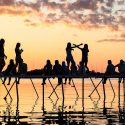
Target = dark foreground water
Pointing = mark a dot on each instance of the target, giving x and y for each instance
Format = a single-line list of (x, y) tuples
[(27, 107)]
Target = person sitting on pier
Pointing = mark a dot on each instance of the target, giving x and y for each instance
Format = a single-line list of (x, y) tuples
[(81, 70), (58, 70), (84, 60), (110, 70), (121, 69), (2, 55), (47, 70), (65, 70), (74, 70), (10, 71), (22, 68)]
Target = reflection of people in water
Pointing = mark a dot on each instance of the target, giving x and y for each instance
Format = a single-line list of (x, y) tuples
[(10, 71), (2, 55)]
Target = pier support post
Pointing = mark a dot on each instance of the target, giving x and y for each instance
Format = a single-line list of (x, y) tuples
[(75, 88), (118, 92), (104, 91), (34, 88), (83, 94), (95, 88), (54, 89), (10, 89), (63, 97), (17, 108), (43, 97), (112, 86), (6, 90)]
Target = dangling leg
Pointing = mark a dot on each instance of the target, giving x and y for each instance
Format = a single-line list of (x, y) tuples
[(9, 81), (4, 80), (2, 64), (68, 63)]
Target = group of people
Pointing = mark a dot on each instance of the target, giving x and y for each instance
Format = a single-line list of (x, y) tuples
[(19, 67), (68, 67), (110, 70)]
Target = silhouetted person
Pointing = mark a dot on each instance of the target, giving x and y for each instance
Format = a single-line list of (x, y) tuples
[(22, 68), (69, 57), (121, 69), (2, 55), (65, 70), (10, 71), (18, 52), (47, 70), (110, 70), (84, 60), (81, 68), (73, 70), (58, 70)]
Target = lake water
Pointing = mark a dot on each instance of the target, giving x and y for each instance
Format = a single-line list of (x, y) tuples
[(28, 108)]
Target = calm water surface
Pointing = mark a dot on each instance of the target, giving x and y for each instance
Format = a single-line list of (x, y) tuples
[(28, 108)]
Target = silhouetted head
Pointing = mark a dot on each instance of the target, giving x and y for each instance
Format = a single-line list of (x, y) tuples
[(11, 61), (56, 62), (18, 45), (2, 41), (109, 62), (86, 46), (121, 61), (68, 45), (63, 63), (80, 63), (48, 61)]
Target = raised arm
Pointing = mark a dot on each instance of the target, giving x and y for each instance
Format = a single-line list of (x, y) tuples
[(78, 46)]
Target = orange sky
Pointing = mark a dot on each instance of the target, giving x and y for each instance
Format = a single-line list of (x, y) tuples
[(47, 40)]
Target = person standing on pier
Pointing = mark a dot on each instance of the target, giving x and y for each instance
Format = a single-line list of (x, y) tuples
[(2, 55), (18, 52), (69, 57), (84, 60), (121, 69)]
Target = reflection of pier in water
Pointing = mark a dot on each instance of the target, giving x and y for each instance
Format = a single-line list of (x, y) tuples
[(60, 115)]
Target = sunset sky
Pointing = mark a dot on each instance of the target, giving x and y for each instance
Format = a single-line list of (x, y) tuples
[(43, 27)]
